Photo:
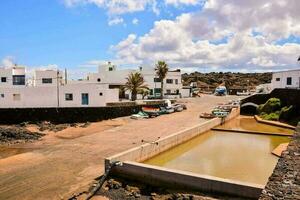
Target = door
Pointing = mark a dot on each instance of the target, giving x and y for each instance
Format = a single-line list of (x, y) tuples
[(84, 99)]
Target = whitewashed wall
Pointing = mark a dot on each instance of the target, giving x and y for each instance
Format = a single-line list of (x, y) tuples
[(47, 96), (295, 74)]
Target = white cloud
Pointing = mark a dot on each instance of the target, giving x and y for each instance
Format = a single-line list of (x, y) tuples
[(116, 7), (135, 21), (182, 2), (115, 21), (190, 39)]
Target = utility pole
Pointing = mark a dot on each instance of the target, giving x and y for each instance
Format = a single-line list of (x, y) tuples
[(57, 87), (66, 76)]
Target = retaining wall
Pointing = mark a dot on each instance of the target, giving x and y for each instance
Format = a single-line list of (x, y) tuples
[(177, 179), (286, 96), (146, 151), (160, 176)]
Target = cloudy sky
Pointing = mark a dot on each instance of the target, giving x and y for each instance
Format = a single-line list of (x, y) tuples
[(212, 35)]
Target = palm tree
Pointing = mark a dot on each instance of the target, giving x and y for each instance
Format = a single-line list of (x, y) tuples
[(135, 83), (161, 69), (144, 93)]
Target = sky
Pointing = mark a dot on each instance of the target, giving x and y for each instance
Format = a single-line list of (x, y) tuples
[(195, 35)]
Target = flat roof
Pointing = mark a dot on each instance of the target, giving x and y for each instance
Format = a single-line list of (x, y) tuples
[(292, 70)]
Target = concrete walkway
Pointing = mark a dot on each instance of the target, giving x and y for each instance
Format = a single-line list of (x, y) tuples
[(60, 170)]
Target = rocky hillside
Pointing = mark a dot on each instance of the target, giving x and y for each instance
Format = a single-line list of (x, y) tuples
[(230, 79)]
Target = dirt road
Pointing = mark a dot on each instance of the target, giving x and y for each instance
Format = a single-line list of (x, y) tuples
[(57, 168)]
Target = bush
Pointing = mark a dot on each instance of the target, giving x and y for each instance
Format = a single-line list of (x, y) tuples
[(286, 113), (272, 116), (272, 105)]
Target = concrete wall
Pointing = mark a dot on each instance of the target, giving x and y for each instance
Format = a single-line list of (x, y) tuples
[(146, 151), (177, 179), (160, 176)]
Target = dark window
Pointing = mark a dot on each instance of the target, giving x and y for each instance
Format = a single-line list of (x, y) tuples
[(99, 79), (69, 97), (151, 91), (176, 81), (169, 81), (18, 79), (3, 79), (277, 79), (168, 91), (289, 80), (157, 90), (84, 99), (47, 80), (2, 95), (110, 69), (100, 94), (156, 80)]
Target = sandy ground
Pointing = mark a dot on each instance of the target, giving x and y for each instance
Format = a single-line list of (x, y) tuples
[(66, 162)]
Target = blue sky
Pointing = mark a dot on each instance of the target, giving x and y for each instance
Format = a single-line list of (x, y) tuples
[(73, 33)]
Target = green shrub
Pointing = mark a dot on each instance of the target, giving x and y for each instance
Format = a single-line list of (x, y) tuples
[(286, 113), (272, 105), (272, 116)]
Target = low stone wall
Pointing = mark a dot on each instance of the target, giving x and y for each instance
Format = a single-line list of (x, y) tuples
[(286, 96), (284, 183), (146, 151), (64, 115), (273, 123)]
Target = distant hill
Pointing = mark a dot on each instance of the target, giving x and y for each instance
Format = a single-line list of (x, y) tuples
[(231, 80)]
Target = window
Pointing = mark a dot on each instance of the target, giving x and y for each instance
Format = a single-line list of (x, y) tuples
[(16, 97), (156, 80), (151, 91), (110, 69), (3, 79), (84, 99), (100, 94), (157, 90), (18, 79), (289, 80), (46, 80), (277, 79), (168, 91), (69, 97), (2, 95), (176, 81), (99, 80), (170, 81)]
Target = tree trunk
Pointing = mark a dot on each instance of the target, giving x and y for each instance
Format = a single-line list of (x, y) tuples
[(162, 89), (133, 96)]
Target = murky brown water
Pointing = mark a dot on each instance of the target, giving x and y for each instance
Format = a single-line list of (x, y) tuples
[(249, 123), (236, 156)]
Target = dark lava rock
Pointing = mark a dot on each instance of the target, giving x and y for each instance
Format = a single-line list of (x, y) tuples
[(16, 134), (284, 182)]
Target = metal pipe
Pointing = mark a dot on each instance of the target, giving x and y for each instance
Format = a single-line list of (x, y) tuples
[(103, 178)]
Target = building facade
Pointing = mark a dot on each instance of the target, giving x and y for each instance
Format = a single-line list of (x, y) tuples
[(286, 79), (48, 88), (109, 74)]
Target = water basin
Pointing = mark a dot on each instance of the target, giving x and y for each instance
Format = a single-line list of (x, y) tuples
[(230, 155)]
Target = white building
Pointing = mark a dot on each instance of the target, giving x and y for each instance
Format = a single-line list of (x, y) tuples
[(48, 89), (109, 74), (286, 79)]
